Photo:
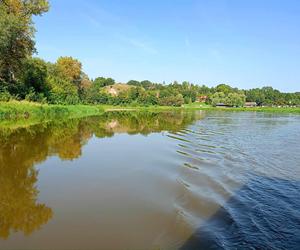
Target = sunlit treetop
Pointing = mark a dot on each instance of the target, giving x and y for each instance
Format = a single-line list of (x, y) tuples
[(26, 7)]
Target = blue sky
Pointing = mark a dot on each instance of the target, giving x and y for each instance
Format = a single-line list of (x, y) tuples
[(247, 44)]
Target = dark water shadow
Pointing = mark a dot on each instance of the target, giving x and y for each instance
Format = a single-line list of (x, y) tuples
[(263, 214)]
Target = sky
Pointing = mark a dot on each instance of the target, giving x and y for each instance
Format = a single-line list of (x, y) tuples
[(246, 44)]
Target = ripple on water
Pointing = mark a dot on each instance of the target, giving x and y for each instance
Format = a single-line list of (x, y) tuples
[(250, 183)]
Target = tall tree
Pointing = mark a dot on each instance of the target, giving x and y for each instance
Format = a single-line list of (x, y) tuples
[(70, 68), (17, 34)]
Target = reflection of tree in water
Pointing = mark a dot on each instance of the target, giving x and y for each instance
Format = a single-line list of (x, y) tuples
[(144, 122), (21, 149), (19, 210)]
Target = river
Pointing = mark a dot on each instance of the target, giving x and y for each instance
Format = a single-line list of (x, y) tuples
[(152, 180)]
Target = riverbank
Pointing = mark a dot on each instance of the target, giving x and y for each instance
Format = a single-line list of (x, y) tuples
[(198, 106), (35, 112), (25, 113)]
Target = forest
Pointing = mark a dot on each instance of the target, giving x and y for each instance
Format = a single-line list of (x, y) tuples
[(23, 76)]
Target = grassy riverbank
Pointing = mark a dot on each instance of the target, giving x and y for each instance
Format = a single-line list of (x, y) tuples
[(11, 112), (17, 113), (197, 106)]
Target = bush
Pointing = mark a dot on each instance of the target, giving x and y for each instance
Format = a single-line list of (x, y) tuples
[(63, 98), (35, 74), (62, 91), (5, 96), (32, 96), (175, 101), (94, 96)]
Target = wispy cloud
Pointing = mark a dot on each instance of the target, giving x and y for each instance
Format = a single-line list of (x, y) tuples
[(110, 23), (139, 44), (101, 13), (91, 20)]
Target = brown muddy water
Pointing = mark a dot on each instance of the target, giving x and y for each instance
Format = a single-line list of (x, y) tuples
[(169, 180)]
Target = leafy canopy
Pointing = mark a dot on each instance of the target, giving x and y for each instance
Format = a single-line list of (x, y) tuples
[(17, 34)]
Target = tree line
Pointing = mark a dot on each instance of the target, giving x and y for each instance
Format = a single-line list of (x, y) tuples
[(23, 76)]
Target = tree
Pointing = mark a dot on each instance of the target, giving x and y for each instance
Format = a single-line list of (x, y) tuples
[(84, 86), (173, 100), (102, 82), (70, 68), (235, 100), (226, 89), (62, 90), (26, 8), (35, 74), (255, 95), (134, 83), (218, 97), (17, 33), (271, 95), (146, 84), (94, 95)]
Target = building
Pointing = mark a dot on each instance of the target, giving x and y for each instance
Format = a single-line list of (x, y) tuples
[(223, 105), (202, 98), (250, 104)]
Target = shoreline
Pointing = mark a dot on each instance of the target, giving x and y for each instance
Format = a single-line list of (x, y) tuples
[(30, 112)]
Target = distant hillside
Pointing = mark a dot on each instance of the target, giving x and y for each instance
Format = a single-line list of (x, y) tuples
[(116, 89)]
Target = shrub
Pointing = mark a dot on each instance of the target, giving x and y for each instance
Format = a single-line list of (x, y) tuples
[(175, 101), (5, 96)]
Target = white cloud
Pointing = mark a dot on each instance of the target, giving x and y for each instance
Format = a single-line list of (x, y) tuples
[(139, 44)]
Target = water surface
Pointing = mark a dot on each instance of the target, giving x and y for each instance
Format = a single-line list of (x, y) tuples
[(169, 180)]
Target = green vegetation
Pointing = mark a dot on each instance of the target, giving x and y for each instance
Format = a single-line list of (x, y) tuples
[(57, 86), (197, 106), (25, 113), (31, 113)]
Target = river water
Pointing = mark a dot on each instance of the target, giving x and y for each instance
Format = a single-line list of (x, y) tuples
[(168, 180)]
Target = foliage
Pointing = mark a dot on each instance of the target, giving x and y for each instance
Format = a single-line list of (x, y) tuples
[(235, 100), (231, 99), (34, 75), (176, 101), (62, 91), (267, 96), (218, 98), (16, 34), (38, 112), (224, 88), (4, 95), (102, 82), (70, 69)]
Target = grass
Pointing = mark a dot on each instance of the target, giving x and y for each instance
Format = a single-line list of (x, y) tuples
[(202, 106), (199, 106), (17, 113)]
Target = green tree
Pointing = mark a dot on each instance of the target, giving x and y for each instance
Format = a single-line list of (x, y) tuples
[(17, 34), (255, 95), (102, 82), (62, 90), (35, 74), (218, 97), (172, 100), (226, 89), (134, 83), (146, 84), (235, 100), (70, 68)]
